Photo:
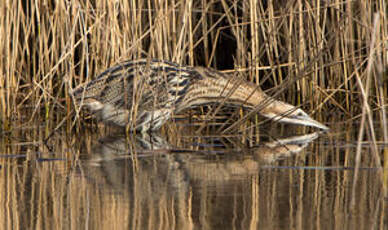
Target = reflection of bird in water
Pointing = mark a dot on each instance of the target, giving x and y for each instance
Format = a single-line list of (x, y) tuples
[(117, 147), (151, 91), (157, 159)]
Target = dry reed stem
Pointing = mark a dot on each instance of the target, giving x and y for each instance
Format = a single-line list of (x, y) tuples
[(366, 112)]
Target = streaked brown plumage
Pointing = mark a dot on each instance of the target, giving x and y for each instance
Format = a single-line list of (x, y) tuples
[(151, 91)]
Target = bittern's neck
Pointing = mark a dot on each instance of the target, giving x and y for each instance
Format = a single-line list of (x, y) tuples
[(242, 93), (217, 87)]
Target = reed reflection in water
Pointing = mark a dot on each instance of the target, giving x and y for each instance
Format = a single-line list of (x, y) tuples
[(186, 182)]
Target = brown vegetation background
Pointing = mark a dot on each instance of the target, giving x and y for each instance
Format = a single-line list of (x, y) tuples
[(330, 56)]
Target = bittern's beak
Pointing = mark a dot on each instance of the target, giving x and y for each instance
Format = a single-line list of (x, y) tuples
[(307, 121), (298, 117)]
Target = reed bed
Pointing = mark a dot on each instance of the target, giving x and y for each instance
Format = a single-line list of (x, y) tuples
[(328, 56), (315, 50)]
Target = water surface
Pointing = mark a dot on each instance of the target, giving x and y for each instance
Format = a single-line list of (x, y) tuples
[(281, 177)]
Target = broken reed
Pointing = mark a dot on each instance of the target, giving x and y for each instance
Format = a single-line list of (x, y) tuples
[(312, 52)]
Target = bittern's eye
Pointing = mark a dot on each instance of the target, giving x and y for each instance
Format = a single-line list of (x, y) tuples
[(300, 114)]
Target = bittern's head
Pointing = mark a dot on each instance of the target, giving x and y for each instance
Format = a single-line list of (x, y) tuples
[(86, 97), (283, 112)]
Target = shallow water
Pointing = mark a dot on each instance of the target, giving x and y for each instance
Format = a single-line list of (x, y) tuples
[(280, 177)]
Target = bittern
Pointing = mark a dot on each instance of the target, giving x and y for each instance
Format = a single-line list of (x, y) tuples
[(144, 94)]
